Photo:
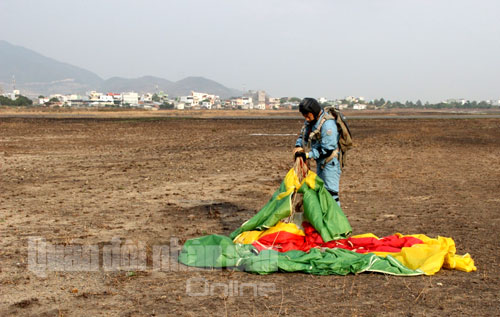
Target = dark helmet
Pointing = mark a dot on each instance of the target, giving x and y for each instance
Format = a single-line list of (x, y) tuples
[(310, 105)]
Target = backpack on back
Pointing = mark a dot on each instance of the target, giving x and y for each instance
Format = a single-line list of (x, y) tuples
[(345, 137)]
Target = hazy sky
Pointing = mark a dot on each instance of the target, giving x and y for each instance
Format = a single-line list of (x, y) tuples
[(397, 49)]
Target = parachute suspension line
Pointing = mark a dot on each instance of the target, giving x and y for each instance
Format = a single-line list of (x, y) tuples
[(274, 241), (301, 168)]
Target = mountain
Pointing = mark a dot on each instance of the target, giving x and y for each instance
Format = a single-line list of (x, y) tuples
[(180, 88), (184, 86), (36, 74), (141, 84)]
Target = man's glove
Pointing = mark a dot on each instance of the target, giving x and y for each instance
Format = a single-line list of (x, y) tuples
[(301, 154), (297, 149)]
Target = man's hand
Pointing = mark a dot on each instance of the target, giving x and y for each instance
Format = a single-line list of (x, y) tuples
[(298, 149), (301, 154)]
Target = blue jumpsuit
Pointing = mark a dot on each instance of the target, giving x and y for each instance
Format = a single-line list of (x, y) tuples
[(330, 174)]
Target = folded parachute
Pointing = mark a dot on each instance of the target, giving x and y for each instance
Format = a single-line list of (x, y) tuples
[(266, 243)]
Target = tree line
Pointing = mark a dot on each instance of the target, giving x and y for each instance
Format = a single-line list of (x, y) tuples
[(440, 105), (19, 101)]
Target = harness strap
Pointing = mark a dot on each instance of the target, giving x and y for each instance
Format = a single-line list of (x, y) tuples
[(334, 194), (312, 135), (330, 158), (326, 116)]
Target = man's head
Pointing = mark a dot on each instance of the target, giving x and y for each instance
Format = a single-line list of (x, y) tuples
[(310, 109)]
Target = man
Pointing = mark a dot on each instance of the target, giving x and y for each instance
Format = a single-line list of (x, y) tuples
[(324, 149)]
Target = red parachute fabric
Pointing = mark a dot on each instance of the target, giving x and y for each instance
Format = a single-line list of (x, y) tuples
[(283, 241)]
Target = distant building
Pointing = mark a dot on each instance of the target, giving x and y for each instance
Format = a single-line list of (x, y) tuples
[(94, 95), (246, 103), (73, 97), (13, 95), (359, 106), (163, 96), (456, 101), (199, 97), (288, 105), (206, 105), (274, 103), (261, 97), (242, 102), (235, 102), (59, 97), (43, 100), (350, 99), (147, 97), (117, 98), (131, 98), (188, 101), (105, 100)]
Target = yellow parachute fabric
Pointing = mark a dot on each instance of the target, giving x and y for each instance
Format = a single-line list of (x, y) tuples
[(431, 255), (248, 237), (292, 183)]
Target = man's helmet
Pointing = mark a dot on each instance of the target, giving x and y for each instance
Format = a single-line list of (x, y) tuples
[(310, 105)]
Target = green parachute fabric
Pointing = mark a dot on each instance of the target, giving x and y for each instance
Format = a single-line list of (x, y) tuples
[(216, 251)]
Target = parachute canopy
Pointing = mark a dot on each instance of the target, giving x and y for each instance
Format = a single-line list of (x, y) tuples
[(268, 242)]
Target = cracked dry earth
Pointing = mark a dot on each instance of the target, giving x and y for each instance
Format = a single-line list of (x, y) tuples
[(159, 182)]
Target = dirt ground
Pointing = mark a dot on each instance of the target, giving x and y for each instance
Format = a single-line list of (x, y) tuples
[(156, 182)]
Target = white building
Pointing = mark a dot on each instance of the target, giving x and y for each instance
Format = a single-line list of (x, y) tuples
[(106, 100), (13, 95), (274, 103), (117, 98), (247, 102), (43, 100), (459, 101), (199, 97), (188, 101), (359, 106), (73, 97), (494, 103), (130, 98), (94, 95), (59, 97), (206, 105), (148, 97)]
